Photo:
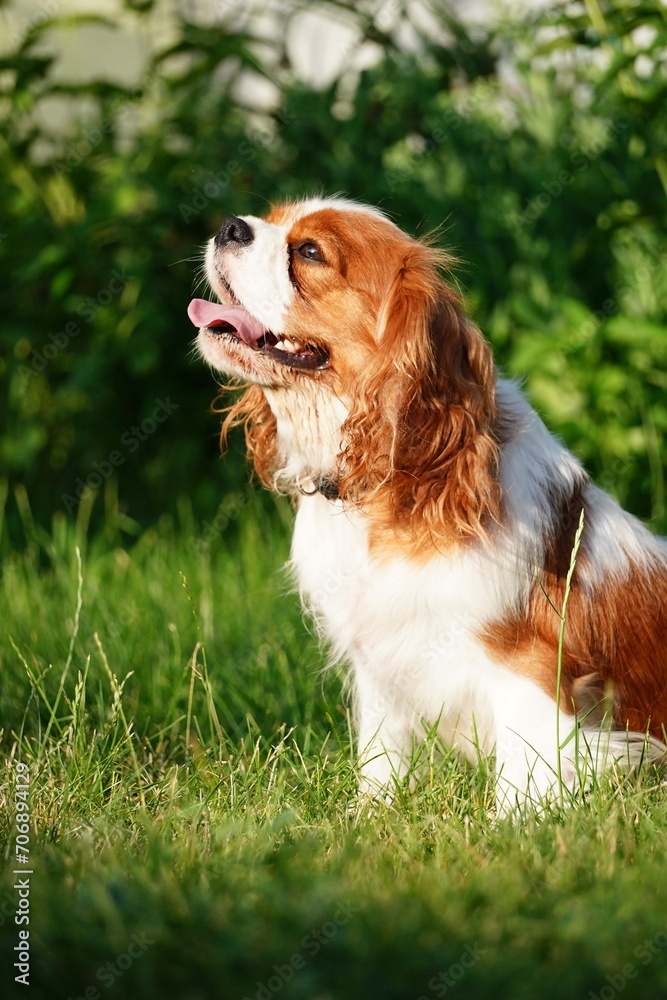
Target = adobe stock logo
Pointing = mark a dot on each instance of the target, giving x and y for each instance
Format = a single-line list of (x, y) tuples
[(447, 979), (311, 943), (644, 953), (108, 974), (131, 440), (87, 310)]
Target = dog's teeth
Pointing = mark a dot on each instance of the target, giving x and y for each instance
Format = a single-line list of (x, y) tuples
[(289, 346)]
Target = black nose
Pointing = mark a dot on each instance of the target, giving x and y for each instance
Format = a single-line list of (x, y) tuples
[(234, 230)]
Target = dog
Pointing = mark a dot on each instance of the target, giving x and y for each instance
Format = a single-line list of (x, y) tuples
[(453, 552)]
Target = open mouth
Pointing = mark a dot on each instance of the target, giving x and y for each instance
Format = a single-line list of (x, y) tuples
[(235, 323)]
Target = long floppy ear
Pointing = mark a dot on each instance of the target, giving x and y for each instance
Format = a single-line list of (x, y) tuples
[(419, 440), (253, 413)]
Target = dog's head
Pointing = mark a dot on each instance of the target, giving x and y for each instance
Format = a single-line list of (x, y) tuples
[(362, 367)]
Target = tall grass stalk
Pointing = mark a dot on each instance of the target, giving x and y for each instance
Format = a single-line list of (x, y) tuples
[(561, 646)]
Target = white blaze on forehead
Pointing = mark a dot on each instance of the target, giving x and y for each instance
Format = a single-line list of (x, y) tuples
[(300, 209), (257, 272)]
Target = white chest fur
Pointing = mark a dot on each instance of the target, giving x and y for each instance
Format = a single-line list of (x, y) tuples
[(408, 628)]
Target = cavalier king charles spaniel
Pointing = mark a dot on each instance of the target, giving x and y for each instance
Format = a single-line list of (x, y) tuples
[(437, 516)]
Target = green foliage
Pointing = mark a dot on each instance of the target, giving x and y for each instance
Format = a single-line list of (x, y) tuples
[(550, 178)]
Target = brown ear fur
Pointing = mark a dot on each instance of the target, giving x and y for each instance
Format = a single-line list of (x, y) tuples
[(420, 433), (253, 413)]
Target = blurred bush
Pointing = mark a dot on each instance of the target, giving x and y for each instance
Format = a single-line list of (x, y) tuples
[(541, 146)]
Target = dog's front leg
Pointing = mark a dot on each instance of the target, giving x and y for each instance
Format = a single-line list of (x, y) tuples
[(384, 736)]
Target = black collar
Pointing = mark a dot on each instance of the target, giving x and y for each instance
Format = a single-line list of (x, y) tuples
[(327, 487)]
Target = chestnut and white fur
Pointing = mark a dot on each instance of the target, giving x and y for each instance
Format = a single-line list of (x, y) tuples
[(436, 514)]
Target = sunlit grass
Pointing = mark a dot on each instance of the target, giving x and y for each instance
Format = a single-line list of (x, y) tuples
[(194, 786)]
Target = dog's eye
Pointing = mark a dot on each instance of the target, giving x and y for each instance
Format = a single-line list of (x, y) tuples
[(310, 251)]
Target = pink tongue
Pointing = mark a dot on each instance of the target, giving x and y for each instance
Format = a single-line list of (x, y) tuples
[(203, 314)]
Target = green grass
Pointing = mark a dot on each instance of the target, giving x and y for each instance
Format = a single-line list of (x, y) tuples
[(194, 786)]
